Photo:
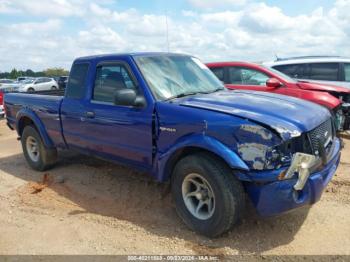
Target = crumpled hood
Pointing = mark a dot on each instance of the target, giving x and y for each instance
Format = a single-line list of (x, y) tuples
[(287, 115), (322, 87)]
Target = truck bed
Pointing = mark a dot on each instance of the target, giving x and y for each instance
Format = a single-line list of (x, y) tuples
[(44, 106)]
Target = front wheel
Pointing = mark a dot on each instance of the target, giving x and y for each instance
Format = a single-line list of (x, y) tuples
[(37, 155), (208, 197)]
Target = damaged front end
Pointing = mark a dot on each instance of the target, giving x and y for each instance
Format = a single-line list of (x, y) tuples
[(286, 174), (342, 117), (263, 148), (301, 165), (342, 113)]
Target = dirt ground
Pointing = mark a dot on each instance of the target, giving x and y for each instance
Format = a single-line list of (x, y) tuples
[(101, 208)]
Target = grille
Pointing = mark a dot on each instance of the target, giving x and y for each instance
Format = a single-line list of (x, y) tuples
[(321, 135)]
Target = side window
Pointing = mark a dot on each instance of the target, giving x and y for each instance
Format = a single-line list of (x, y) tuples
[(245, 76), (219, 72), (76, 83), (347, 72), (110, 78), (294, 70), (324, 71), (39, 81)]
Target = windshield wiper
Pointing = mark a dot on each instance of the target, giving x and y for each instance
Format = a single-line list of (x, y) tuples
[(181, 95), (220, 88), (194, 93)]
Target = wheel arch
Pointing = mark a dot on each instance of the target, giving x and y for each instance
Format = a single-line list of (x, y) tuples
[(208, 145), (27, 117)]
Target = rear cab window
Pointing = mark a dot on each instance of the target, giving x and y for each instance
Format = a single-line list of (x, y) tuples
[(76, 82)]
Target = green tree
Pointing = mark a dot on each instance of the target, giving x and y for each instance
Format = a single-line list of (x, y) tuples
[(56, 71), (29, 72), (14, 73)]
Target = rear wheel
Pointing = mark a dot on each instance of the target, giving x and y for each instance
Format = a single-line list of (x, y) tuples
[(30, 90), (37, 155), (208, 197), (53, 88)]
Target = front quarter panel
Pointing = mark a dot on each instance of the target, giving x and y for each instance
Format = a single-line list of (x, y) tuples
[(189, 127), (321, 98)]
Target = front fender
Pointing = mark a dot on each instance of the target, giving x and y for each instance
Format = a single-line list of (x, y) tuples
[(201, 142), (323, 98), (27, 113)]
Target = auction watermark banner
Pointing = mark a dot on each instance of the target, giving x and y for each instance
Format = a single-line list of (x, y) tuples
[(110, 258)]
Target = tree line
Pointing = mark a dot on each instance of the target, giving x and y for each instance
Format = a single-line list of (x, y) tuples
[(50, 72)]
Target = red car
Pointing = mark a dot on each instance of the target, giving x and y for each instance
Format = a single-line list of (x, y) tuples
[(250, 76)]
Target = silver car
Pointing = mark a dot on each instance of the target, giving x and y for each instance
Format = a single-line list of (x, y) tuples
[(8, 85), (332, 70)]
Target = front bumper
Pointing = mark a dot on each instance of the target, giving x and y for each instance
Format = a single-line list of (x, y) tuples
[(279, 196)]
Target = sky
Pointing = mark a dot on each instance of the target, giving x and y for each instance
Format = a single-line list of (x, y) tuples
[(51, 33)]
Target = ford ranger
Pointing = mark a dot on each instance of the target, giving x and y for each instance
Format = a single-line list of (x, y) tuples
[(168, 115)]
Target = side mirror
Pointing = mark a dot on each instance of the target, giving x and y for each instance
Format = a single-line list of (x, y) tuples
[(273, 83), (128, 97)]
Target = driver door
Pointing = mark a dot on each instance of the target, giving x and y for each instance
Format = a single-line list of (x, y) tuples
[(121, 133)]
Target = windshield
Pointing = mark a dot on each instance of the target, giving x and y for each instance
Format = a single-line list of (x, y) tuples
[(171, 76), (280, 74)]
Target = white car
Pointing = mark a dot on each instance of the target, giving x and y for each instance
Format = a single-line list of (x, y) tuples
[(322, 69), (38, 84)]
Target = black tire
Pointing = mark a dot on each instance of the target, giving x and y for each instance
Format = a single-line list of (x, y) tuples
[(227, 190), (46, 157), (30, 90), (53, 88)]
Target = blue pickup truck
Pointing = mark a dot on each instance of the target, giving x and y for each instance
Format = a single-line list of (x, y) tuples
[(168, 115)]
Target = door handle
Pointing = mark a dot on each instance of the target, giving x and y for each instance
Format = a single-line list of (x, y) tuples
[(90, 114)]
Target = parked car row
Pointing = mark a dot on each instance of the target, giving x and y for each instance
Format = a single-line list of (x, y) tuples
[(168, 115), (30, 84)]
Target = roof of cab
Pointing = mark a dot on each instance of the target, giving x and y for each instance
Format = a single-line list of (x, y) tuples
[(119, 55)]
